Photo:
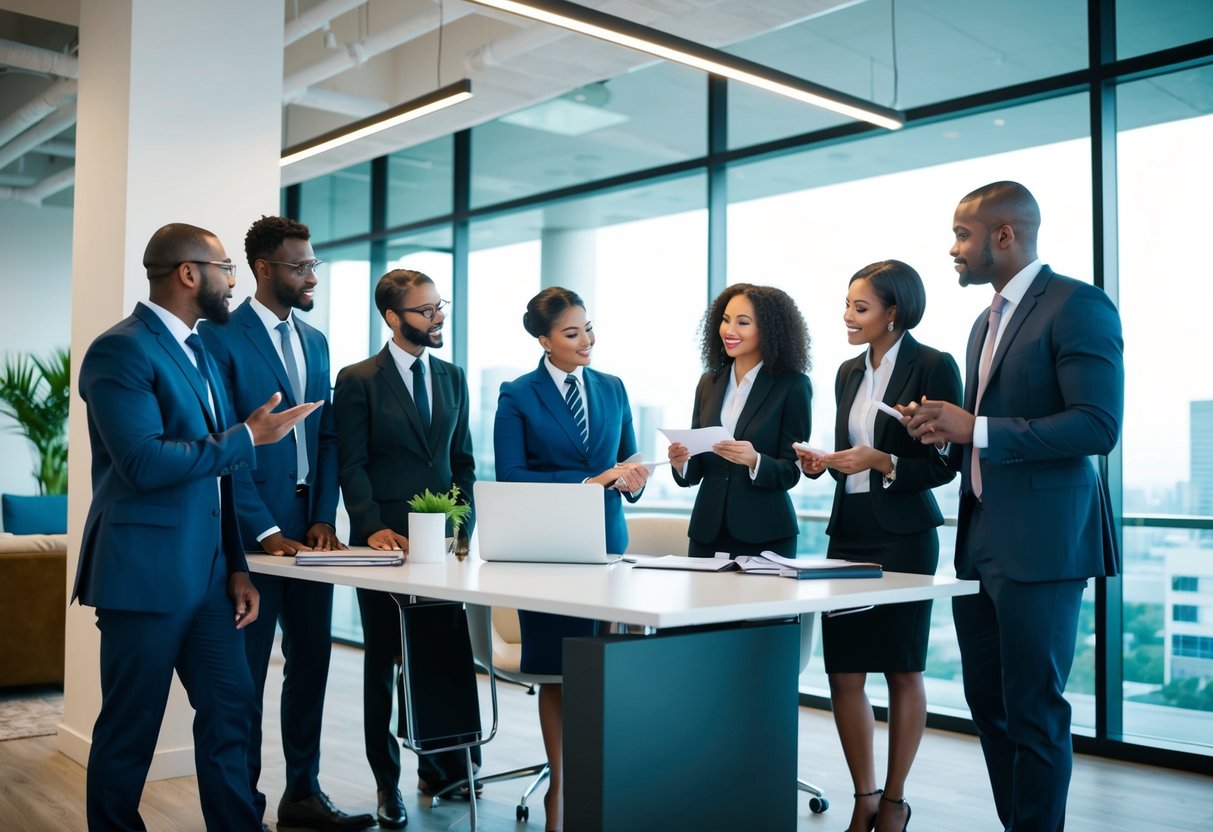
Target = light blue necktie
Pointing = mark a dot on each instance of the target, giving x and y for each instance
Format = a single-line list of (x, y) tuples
[(292, 375)]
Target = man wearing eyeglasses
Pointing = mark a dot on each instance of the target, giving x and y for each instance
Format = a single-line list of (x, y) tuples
[(287, 503), (402, 427), (161, 558)]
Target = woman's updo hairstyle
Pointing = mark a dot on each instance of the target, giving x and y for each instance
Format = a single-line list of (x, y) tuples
[(546, 308)]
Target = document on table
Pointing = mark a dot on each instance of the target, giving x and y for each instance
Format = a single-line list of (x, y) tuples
[(684, 563), (769, 563), (359, 558), (697, 440)]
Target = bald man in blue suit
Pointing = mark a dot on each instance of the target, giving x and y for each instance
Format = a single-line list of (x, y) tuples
[(1044, 392), (161, 557)]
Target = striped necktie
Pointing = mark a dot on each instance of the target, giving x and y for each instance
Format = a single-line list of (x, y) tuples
[(572, 397)]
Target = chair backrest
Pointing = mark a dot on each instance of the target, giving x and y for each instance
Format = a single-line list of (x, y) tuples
[(498, 639), (657, 534)]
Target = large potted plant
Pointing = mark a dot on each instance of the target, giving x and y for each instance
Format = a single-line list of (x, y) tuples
[(36, 393)]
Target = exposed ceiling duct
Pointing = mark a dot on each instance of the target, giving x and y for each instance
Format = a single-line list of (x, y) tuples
[(36, 59)]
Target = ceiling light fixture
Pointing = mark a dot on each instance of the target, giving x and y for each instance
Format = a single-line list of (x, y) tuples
[(432, 102), (669, 47)]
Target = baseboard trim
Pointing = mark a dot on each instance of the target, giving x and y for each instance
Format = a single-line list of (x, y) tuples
[(166, 762)]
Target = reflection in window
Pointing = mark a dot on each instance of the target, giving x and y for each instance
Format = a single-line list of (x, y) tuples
[(337, 205)]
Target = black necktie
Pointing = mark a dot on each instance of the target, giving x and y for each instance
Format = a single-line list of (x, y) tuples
[(292, 375), (194, 342), (572, 397), (420, 397)]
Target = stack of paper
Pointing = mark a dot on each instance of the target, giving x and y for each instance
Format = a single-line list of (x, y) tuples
[(338, 558), (769, 563)]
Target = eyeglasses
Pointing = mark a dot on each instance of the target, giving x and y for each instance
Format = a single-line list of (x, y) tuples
[(225, 266), (429, 310), (300, 269)]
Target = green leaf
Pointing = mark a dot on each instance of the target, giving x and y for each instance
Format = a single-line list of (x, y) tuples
[(36, 394), (446, 503)]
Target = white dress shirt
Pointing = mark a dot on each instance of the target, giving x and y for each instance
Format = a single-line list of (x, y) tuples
[(861, 421), (558, 376), (1012, 295)]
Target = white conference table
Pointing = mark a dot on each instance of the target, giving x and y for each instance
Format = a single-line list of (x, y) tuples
[(657, 725)]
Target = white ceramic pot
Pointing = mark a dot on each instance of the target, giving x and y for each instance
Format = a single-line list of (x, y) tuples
[(427, 537)]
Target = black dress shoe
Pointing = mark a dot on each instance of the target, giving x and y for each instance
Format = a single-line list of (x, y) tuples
[(316, 811), (391, 809)]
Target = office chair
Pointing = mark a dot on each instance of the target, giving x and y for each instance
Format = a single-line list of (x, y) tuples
[(666, 534), (497, 648)]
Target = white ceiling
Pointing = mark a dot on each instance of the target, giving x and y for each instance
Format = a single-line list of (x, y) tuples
[(382, 52)]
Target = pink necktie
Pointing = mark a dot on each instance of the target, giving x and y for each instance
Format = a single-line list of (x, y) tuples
[(983, 375)]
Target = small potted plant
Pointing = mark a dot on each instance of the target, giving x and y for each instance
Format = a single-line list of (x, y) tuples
[(428, 517)]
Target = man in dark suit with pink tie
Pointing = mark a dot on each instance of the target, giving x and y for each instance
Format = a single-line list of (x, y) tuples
[(1044, 392)]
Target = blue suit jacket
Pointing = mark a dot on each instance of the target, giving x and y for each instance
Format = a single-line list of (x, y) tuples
[(252, 371), (1055, 396), (157, 518), (536, 440)]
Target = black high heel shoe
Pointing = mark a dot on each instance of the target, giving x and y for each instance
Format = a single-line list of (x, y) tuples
[(902, 801), (872, 822)]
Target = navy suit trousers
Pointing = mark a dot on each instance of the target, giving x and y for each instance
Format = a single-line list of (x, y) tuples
[(1017, 644), (139, 652), (305, 611)]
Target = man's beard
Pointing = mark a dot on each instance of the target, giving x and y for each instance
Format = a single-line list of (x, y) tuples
[(969, 278), (292, 299), (212, 302), (420, 337)]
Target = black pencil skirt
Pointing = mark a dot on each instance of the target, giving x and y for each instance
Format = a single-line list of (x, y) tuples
[(889, 638)]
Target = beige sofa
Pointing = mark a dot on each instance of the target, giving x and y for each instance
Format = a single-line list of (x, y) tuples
[(32, 608)]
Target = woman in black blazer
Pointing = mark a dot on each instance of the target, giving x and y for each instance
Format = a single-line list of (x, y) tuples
[(755, 349), (883, 511)]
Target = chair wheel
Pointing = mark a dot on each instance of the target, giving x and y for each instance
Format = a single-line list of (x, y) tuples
[(522, 813), (818, 805)]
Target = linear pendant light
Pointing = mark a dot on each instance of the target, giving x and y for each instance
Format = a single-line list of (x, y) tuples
[(616, 30), (432, 102)]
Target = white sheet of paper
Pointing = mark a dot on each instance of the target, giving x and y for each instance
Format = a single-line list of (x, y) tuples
[(697, 440), (809, 449), (884, 408), (639, 459)]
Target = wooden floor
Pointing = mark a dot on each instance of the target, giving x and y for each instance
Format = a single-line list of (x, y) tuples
[(43, 791)]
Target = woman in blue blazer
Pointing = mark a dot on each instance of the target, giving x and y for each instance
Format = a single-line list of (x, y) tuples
[(883, 511), (564, 422), (756, 351)]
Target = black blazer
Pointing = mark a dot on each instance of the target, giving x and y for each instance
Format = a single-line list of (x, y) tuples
[(776, 414), (907, 506), (383, 457)]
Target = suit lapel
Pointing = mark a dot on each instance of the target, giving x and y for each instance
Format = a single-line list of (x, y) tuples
[(713, 399), (177, 352), (550, 397), (391, 377), (595, 408), (764, 382), (895, 393), (257, 335), (1020, 314), (440, 403), (850, 389)]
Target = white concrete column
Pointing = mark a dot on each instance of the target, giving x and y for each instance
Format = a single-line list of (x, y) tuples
[(569, 258), (180, 108)]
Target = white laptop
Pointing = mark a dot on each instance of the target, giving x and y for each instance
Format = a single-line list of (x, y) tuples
[(541, 522)]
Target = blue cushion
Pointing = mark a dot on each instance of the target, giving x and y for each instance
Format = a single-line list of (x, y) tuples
[(44, 514)]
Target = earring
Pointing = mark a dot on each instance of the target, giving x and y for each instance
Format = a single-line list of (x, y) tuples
[(890, 326)]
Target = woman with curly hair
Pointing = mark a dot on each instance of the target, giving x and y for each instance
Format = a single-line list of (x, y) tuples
[(755, 348)]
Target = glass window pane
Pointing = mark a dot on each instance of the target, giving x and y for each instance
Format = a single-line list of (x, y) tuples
[(338, 205), (1144, 26), (801, 223), (945, 49), (428, 252), (651, 117), (1168, 579), (340, 312), (419, 182), (638, 259)]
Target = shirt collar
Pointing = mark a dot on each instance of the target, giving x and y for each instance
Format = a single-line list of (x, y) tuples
[(268, 318), (890, 358), (405, 360), (1017, 286), (558, 375), (175, 325)]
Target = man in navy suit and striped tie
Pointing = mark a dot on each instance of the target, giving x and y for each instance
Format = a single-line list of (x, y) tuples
[(288, 503), (161, 557), (1044, 392)]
